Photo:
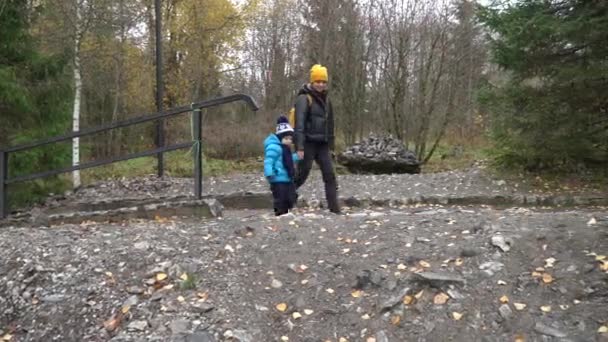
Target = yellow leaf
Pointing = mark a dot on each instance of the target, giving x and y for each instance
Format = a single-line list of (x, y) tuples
[(419, 294), (540, 269), (600, 257), (604, 265), (356, 293), (308, 312), (519, 306), (441, 299), (407, 300), (395, 320), (181, 299), (424, 264), (504, 299), (547, 278), (296, 315), (284, 338), (537, 274), (371, 339), (603, 329), (203, 295), (401, 267), (281, 307), (459, 262), (456, 316), (302, 268), (125, 309), (161, 276), (545, 308), (330, 291), (7, 337), (520, 338), (184, 276), (502, 282), (365, 317), (343, 339), (345, 250)]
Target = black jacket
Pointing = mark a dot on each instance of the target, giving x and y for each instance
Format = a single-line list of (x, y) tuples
[(314, 124)]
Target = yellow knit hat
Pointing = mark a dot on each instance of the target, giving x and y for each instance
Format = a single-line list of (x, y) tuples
[(318, 73)]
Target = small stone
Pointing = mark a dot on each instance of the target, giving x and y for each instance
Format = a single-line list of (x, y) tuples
[(394, 300), (549, 331), (491, 267), (241, 336), (276, 284), (136, 290), (469, 252), (505, 311), (202, 336), (137, 326), (381, 336), (142, 245), (179, 326), (53, 298), (502, 243), (438, 279)]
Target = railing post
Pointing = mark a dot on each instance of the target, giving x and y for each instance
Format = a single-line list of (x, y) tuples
[(3, 179), (198, 153)]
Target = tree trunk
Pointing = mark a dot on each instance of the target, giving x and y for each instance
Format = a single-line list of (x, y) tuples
[(77, 99)]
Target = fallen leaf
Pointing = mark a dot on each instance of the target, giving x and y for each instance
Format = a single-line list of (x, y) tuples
[(342, 339), (459, 262), (181, 299), (384, 266), (7, 337), (330, 291), (401, 267), (281, 307), (203, 296), (296, 315), (592, 221), (456, 316), (125, 309), (302, 268), (520, 338), (540, 269), (184, 276), (113, 322), (604, 265), (419, 294), (441, 299), (424, 264), (519, 306), (549, 262), (304, 282), (356, 293), (603, 329), (161, 276), (395, 320), (308, 312), (504, 299), (576, 301), (537, 274), (365, 317), (564, 307), (284, 338), (502, 282), (407, 300), (545, 308), (345, 250), (600, 257), (371, 339), (547, 278)]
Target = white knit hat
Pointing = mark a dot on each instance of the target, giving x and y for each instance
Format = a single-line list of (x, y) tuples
[(283, 126)]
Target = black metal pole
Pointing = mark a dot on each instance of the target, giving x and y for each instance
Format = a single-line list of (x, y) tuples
[(160, 125), (198, 153), (3, 178)]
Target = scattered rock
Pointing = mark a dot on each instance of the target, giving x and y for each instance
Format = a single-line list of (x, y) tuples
[(381, 336), (438, 279), (501, 242), (200, 337), (505, 311), (142, 245), (394, 300), (179, 326), (367, 279), (379, 155), (491, 267), (136, 290), (56, 298), (276, 284), (549, 331), (137, 326), (469, 252), (241, 336)]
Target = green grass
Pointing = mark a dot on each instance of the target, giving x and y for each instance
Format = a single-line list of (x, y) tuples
[(446, 158)]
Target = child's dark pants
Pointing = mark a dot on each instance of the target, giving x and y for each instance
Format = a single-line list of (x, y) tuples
[(285, 197)]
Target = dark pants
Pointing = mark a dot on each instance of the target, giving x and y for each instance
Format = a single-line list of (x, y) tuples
[(284, 197), (319, 152)]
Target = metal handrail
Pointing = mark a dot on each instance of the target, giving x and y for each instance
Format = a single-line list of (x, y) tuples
[(197, 142)]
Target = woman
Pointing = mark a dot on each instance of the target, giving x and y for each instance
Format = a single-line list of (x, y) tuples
[(315, 133)]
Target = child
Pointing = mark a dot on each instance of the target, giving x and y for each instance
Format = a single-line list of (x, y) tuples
[(279, 167)]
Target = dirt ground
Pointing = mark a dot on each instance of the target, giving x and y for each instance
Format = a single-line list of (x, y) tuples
[(426, 273)]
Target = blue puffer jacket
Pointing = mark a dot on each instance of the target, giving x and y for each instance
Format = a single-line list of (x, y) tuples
[(274, 170)]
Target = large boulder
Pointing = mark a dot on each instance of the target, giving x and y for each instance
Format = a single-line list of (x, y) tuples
[(379, 155)]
